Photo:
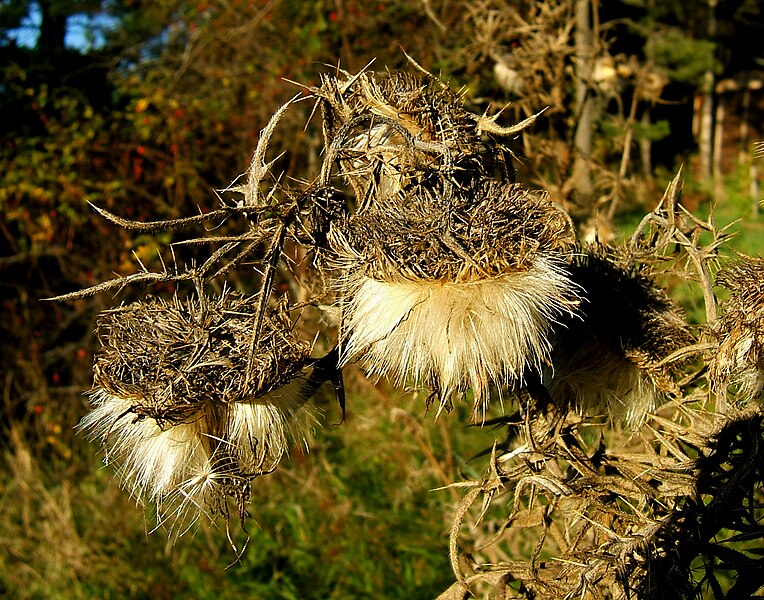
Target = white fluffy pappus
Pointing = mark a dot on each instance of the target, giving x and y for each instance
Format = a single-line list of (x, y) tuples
[(151, 461), (186, 468), (260, 432), (451, 336), (595, 381), (739, 362)]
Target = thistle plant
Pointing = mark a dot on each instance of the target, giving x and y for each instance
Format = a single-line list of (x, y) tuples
[(635, 437), (633, 328), (449, 274)]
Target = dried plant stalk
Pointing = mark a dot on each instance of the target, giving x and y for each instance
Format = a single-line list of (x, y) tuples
[(583, 521)]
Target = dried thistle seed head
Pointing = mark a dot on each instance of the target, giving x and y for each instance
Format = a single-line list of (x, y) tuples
[(483, 230), (391, 129), (740, 330), (454, 297), (170, 358), (151, 460), (188, 469), (190, 407), (612, 358)]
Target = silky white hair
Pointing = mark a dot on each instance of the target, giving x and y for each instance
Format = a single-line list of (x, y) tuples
[(151, 460), (594, 380), (739, 362), (183, 468), (451, 336)]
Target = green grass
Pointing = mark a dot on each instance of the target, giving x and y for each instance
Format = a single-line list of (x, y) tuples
[(357, 517)]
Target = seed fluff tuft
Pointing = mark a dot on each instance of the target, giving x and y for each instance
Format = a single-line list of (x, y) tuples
[(451, 336)]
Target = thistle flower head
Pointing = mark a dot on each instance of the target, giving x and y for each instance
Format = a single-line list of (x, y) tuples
[(454, 297), (189, 406), (615, 357), (393, 130), (740, 330)]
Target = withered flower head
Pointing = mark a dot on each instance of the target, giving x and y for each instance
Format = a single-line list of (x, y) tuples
[(615, 356), (740, 330), (454, 295), (392, 130), (189, 406)]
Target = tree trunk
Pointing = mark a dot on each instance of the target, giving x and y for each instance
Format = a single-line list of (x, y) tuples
[(706, 133), (716, 157), (582, 181), (52, 28), (745, 155), (646, 147)]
